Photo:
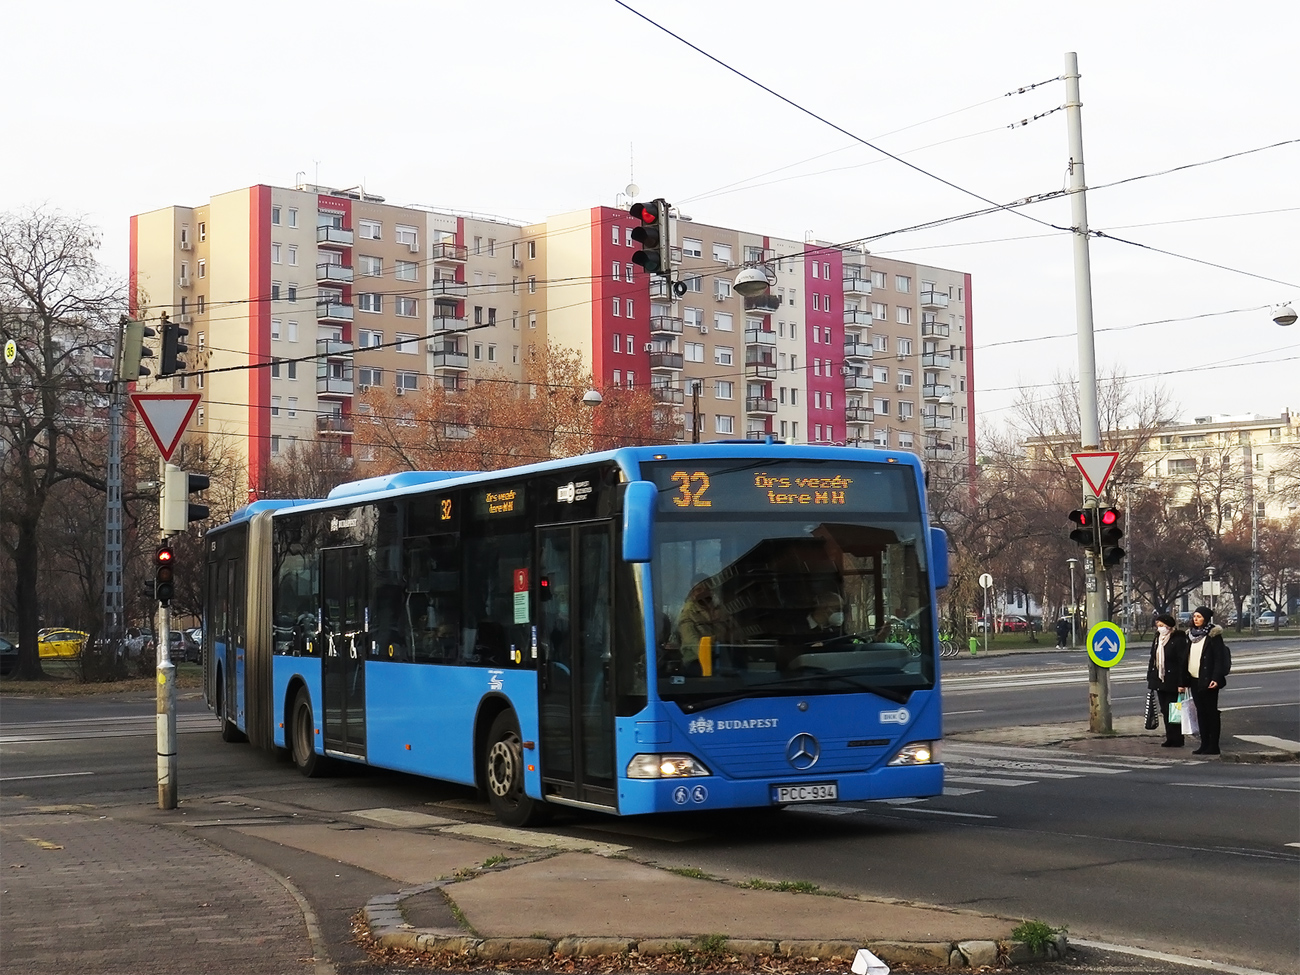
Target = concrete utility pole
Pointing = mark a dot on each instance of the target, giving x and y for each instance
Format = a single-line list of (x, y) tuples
[(1099, 716), (166, 681)]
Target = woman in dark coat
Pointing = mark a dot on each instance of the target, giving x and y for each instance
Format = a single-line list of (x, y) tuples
[(1207, 657), (1167, 671)]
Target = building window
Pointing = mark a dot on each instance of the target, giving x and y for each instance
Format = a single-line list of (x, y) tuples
[(532, 251), (532, 283), (371, 267), (275, 216), (369, 301), (629, 268), (629, 309), (492, 353), (817, 400), (532, 319), (478, 245), (877, 279), (618, 373), (405, 306), (478, 314), (407, 271), (275, 405), (616, 306), (203, 269), (627, 239), (904, 314), (614, 236), (275, 444), (275, 289), (293, 255), (407, 379), (724, 424), (905, 377), (618, 342), (722, 355), (410, 236), (631, 345), (905, 410), (203, 230), (694, 351), (692, 248), (275, 368), (617, 270), (723, 389), (292, 333), (406, 343), (722, 253), (631, 379), (904, 346), (370, 376), (275, 329), (1182, 465), (902, 283), (370, 339), (722, 321), (370, 229), (693, 282), (275, 253), (814, 268), (293, 406), (880, 343)]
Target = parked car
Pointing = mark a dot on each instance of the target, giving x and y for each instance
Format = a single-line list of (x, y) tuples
[(1015, 624), (182, 648), (8, 657), (55, 642), (1270, 618)]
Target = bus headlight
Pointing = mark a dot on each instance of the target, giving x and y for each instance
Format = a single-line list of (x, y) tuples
[(647, 766), (917, 753)]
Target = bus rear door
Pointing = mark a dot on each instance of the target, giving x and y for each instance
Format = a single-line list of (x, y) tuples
[(577, 715)]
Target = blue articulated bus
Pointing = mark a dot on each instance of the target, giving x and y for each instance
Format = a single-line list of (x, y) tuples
[(655, 629)]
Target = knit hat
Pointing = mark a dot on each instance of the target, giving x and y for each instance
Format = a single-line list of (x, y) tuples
[(1206, 613), (1166, 619)]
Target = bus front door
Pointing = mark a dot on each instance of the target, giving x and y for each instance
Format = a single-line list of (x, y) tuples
[(574, 631), (343, 661)]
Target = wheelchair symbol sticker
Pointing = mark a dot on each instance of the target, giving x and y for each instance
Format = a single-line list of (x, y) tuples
[(680, 795), (699, 793)]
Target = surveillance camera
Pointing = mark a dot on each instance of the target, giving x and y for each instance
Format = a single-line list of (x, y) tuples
[(1285, 316)]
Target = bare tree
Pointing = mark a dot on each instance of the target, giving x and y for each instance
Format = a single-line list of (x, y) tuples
[(60, 308)]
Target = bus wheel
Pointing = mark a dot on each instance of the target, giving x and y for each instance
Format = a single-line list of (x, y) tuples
[(302, 741), (229, 730), (504, 774)]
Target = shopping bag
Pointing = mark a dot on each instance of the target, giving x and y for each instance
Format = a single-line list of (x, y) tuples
[(1153, 712), (1191, 726), (1176, 713)]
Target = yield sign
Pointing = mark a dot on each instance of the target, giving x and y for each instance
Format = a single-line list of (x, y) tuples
[(166, 415), (1096, 467)]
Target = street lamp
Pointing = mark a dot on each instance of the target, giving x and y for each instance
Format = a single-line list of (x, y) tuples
[(1074, 609), (1209, 571)]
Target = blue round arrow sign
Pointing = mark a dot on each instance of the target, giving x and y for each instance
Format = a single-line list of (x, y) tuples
[(1106, 644)]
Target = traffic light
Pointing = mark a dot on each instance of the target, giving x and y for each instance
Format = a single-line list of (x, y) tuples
[(653, 237), (164, 579), (1112, 530), (131, 360), (174, 507), (1085, 531), (173, 347)]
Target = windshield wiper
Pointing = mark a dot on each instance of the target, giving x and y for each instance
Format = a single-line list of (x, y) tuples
[(760, 690)]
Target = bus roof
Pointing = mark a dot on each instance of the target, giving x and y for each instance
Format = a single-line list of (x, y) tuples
[(274, 504)]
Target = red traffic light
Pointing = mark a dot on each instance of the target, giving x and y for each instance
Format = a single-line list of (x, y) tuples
[(164, 555), (1082, 517), (645, 212), (1110, 516)]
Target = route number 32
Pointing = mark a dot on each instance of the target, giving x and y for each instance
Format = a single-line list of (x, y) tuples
[(688, 497)]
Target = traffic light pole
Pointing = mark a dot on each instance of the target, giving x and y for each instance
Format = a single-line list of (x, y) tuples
[(1099, 715), (166, 684)]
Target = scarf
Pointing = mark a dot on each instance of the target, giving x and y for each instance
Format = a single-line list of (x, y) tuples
[(1199, 632), (1160, 653)]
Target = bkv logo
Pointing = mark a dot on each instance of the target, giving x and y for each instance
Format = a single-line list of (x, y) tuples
[(901, 716)]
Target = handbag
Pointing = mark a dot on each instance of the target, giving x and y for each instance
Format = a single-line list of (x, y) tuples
[(1191, 724), (1153, 712), (1176, 712)]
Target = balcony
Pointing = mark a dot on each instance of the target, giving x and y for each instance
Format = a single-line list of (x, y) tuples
[(938, 451), (852, 382), (936, 329), (447, 357), (334, 387), (936, 360), (759, 355), (934, 300), (665, 325), (762, 304), (333, 237), (332, 349), (448, 323), (759, 370), (452, 382), (448, 289), (856, 280), (858, 350), (931, 392), (860, 414), (448, 252), (756, 336), (760, 405), (934, 421), (334, 311), (757, 434), (857, 317), (666, 360), (338, 273), (671, 395), (333, 423), (661, 288)]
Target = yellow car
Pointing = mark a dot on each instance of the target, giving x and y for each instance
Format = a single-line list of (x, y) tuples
[(61, 643)]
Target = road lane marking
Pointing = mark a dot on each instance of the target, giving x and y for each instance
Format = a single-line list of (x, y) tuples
[(949, 714), (52, 775), (1245, 788), (1284, 744), (985, 780), (1210, 964), (946, 812)]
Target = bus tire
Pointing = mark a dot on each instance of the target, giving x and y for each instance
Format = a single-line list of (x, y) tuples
[(229, 730), (302, 737), (503, 774)]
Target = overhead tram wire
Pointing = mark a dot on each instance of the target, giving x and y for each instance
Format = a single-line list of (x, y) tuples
[(838, 128)]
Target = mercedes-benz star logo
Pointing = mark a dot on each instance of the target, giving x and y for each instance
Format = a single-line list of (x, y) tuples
[(803, 751)]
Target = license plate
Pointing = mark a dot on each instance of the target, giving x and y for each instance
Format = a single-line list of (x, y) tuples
[(807, 792)]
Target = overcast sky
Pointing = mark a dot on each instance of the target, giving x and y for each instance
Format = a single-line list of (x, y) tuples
[(123, 108)]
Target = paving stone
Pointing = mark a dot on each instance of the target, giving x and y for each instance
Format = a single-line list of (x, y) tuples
[(979, 953), (575, 947), (513, 949)]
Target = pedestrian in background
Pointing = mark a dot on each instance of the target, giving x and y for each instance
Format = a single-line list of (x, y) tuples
[(1207, 658), (1166, 673), (1062, 633)]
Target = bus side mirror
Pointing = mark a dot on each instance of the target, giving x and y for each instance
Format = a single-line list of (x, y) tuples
[(638, 517), (939, 558)]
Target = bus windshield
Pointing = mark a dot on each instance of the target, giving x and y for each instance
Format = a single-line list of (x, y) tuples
[(789, 577)]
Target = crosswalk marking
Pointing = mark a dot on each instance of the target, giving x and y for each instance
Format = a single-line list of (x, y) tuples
[(985, 780)]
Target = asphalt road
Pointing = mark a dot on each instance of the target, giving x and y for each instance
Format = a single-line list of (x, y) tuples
[(1167, 853)]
